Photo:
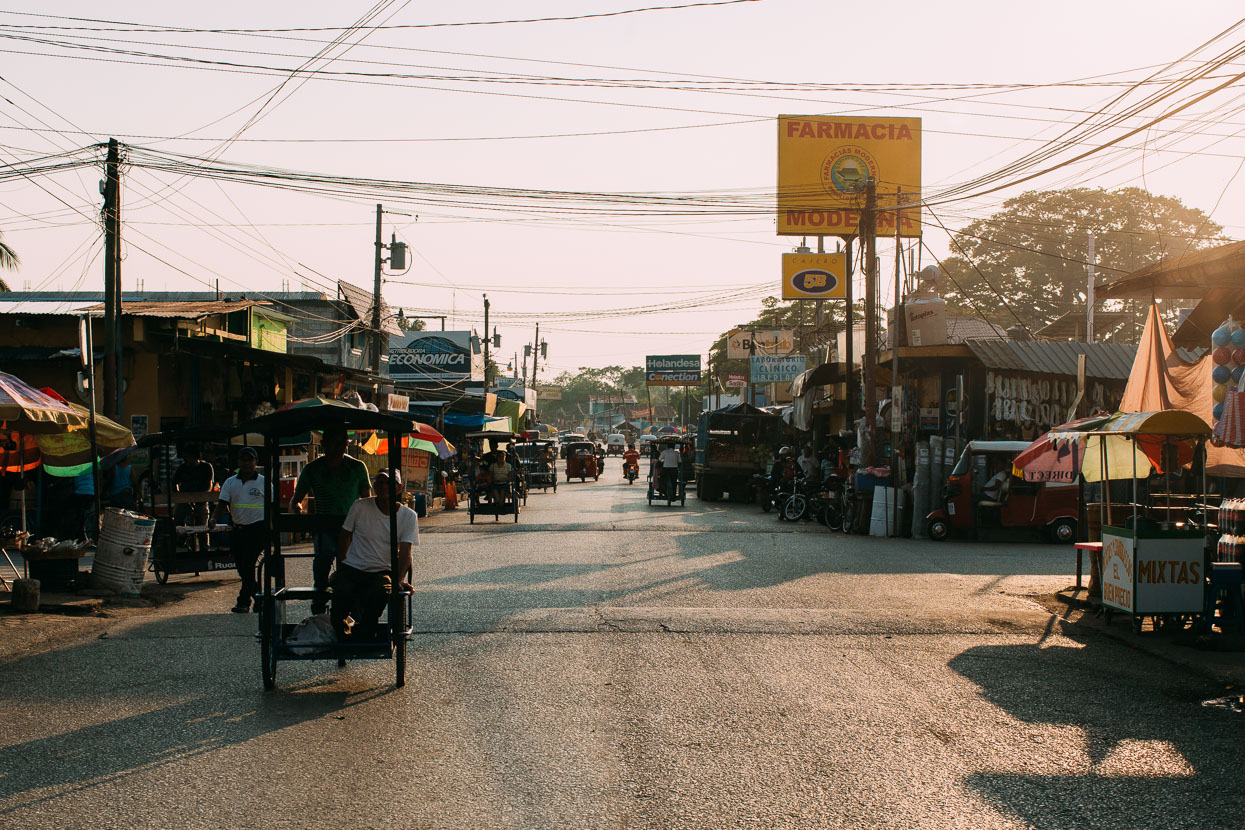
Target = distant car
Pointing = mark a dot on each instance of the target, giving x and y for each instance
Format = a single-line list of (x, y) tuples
[(616, 443)]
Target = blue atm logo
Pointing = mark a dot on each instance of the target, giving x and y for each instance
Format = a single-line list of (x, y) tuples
[(815, 281)]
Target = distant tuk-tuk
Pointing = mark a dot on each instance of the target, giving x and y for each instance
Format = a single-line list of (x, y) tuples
[(982, 492), (581, 461), (538, 461)]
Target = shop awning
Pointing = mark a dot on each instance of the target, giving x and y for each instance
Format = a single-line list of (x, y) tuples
[(472, 420)]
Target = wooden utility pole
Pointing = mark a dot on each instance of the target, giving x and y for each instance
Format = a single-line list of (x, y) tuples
[(376, 332), (487, 340), (849, 385), (869, 236), (114, 383)]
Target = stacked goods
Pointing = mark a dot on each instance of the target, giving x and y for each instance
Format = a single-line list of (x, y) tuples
[(1228, 357), (1232, 528)]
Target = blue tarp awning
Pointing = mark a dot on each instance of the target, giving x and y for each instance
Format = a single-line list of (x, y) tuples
[(469, 420)]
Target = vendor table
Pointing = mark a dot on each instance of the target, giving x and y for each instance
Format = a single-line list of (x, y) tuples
[(1094, 549)]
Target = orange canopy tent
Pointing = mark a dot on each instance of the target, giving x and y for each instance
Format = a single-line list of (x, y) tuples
[(1162, 379)]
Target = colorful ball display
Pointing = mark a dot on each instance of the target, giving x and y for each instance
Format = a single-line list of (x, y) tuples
[(1221, 337), (1217, 412), (1221, 374), (1236, 375), (1238, 338), (1222, 356), (1238, 357), (1219, 392)]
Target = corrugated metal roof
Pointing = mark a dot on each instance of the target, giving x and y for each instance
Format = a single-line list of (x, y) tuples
[(361, 302), (43, 307), (963, 329), (1105, 361), (182, 310)]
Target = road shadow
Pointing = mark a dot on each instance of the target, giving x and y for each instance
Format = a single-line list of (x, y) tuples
[(222, 709), (1153, 755)]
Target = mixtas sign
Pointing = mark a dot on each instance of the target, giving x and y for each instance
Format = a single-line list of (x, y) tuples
[(672, 370), (443, 356), (824, 163)]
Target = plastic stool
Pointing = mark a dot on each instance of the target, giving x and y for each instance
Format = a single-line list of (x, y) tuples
[(1224, 576)]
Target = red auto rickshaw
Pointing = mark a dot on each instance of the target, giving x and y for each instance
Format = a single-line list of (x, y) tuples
[(983, 493), (581, 461)]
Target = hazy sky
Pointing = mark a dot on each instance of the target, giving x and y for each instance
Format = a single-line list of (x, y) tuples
[(492, 106)]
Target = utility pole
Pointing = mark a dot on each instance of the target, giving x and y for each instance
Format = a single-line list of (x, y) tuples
[(487, 338), (849, 385), (535, 354), (114, 383), (752, 351), (869, 236), (380, 258), (1089, 293)]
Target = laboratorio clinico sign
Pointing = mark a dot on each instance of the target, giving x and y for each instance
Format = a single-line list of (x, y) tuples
[(824, 163)]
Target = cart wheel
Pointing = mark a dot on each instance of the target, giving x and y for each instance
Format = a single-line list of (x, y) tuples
[(937, 529), (516, 513), (471, 516), (397, 629), (162, 576), (555, 485), (683, 501), (267, 648)]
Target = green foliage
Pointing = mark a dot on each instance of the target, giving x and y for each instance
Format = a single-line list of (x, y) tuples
[(577, 386), (1033, 251)]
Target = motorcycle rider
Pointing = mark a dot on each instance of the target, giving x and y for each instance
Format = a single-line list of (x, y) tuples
[(631, 459)]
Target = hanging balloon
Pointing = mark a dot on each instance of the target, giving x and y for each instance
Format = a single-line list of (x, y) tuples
[(1221, 337), (1238, 337), (1236, 375), (1238, 356), (1219, 392), (1222, 356), (1221, 374), (1217, 412)]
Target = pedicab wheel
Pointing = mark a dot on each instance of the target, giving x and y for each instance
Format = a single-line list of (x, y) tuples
[(683, 501), (937, 529), (398, 629), (596, 478), (162, 575), (267, 649)]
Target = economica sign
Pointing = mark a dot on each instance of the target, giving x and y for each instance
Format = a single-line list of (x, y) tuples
[(443, 356), (814, 276), (778, 369), (824, 164), (672, 370)]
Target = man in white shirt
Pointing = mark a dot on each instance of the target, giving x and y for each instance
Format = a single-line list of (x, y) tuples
[(364, 578), (669, 462), (242, 495)]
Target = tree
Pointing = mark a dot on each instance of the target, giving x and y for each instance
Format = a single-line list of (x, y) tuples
[(8, 260), (1026, 263), (579, 385)]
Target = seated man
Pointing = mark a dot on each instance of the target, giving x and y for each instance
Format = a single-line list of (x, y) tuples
[(363, 581), (499, 475)]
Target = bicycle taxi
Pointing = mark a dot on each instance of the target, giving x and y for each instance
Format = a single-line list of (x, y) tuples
[(538, 461), (276, 597), (657, 490), (486, 497)]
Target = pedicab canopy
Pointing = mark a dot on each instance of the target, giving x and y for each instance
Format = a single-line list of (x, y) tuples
[(1134, 446)]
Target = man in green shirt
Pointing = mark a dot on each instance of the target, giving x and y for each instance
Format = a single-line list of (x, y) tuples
[(335, 481)]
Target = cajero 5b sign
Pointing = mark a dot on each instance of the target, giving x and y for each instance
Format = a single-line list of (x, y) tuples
[(814, 276), (824, 163)]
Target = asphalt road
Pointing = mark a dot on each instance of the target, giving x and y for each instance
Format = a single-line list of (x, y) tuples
[(606, 664)]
